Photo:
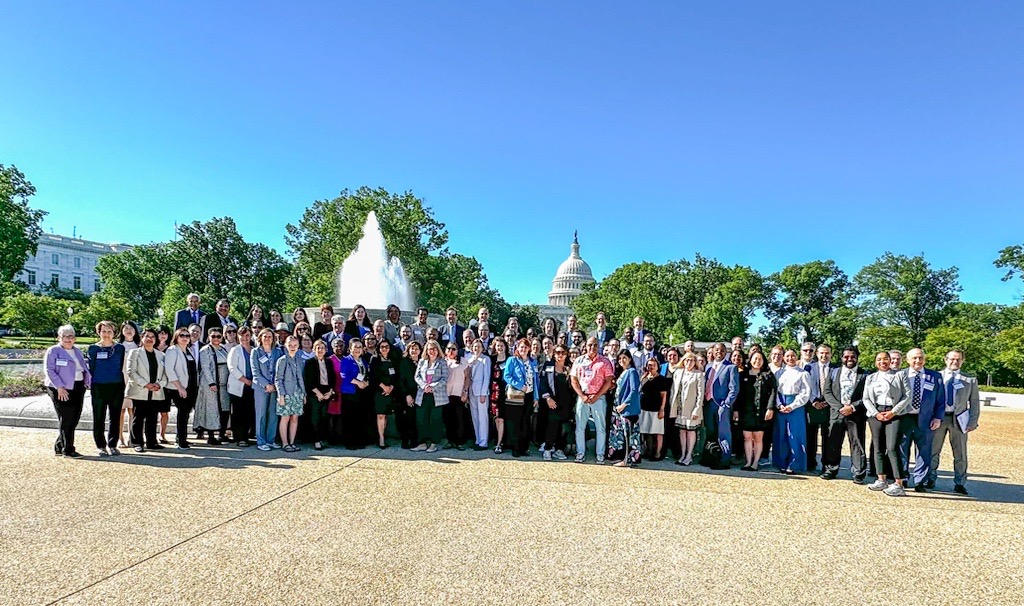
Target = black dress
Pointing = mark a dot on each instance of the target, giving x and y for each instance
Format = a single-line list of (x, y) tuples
[(757, 396)]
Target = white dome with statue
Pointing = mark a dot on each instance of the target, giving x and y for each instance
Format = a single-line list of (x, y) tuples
[(572, 274)]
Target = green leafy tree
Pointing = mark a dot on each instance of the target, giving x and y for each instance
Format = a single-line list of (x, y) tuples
[(330, 229), (36, 314), (174, 298), (102, 306), (876, 338), (906, 291), (19, 224), (528, 316), (1010, 349), (977, 347), (137, 276), (811, 300), (1011, 259), (702, 299)]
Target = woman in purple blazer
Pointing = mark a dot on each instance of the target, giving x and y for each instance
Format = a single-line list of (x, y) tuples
[(67, 378)]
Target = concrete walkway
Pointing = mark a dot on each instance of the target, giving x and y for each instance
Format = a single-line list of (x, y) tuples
[(223, 525)]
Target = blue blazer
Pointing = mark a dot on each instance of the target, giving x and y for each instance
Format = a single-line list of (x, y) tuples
[(628, 392), (183, 318), (726, 386), (933, 401), (515, 373)]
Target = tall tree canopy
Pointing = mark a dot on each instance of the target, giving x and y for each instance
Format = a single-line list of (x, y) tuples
[(906, 291), (702, 299), (811, 301), (19, 224)]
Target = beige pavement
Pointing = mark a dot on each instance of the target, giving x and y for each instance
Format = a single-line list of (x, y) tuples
[(224, 526)]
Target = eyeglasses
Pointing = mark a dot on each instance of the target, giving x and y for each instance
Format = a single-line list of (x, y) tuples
[(218, 337), (807, 350)]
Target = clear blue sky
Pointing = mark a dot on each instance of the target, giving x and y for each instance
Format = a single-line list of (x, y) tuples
[(761, 133)]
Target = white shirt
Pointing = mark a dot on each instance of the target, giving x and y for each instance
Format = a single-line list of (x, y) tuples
[(795, 382)]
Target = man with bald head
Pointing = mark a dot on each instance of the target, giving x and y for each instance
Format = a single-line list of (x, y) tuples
[(920, 413)]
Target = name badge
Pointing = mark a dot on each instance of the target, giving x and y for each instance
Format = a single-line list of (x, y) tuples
[(588, 373), (958, 385), (102, 355), (928, 386), (264, 359), (417, 331), (391, 371), (359, 377), (62, 362)]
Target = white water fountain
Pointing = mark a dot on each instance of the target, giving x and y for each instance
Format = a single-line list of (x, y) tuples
[(370, 276)]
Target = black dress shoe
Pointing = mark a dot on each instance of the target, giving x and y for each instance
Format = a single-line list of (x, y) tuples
[(74, 455), (828, 475), (919, 488), (959, 489), (157, 447), (858, 481), (930, 484), (213, 441)]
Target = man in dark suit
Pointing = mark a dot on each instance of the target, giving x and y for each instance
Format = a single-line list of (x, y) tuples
[(920, 413), (190, 315), (603, 334), (639, 331), (451, 332), (818, 409), (844, 393), (218, 320)]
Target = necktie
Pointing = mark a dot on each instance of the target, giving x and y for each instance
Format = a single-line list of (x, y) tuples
[(195, 317), (821, 379), (949, 391), (709, 387), (847, 388), (916, 402)]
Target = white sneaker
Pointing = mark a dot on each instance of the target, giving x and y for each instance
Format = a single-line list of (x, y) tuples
[(543, 446), (432, 448), (273, 446), (547, 455), (895, 490), (580, 457), (420, 448), (600, 459), (877, 485), (263, 447), (560, 455)]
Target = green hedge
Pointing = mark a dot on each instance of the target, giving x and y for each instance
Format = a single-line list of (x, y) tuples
[(1018, 390)]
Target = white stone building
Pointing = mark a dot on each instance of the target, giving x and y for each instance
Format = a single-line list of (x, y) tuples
[(572, 274), (66, 262)]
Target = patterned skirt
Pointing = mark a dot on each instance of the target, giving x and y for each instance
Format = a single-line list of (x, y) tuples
[(624, 432), (292, 405)]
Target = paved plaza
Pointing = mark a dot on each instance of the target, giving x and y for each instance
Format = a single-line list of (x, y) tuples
[(220, 525)]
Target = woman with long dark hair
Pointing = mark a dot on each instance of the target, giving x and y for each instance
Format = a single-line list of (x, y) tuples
[(358, 324), (383, 380), (319, 378), (755, 407), (499, 359)]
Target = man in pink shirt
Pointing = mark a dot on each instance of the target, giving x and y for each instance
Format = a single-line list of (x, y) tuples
[(592, 377)]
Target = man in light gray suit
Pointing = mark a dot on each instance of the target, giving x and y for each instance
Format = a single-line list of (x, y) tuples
[(963, 408)]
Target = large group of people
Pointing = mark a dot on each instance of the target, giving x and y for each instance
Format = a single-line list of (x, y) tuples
[(342, 381)]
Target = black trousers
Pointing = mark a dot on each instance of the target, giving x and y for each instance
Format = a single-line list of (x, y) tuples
[(353, 421), (69, 412), (144, 423), (405, 422), (184, 407), (319, 417), (886, 443), (839, 428), (517, 425), (243, 414), (455, 416), (766, 441), (670, 443), (813, 431), (540, 425), (554, 428), (107, 398)]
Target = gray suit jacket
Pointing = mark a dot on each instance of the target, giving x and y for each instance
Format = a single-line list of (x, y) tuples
[(967, 397)]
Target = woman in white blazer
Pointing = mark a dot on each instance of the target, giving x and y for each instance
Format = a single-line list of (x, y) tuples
[(182, 381), (147, 378), (243, 399)]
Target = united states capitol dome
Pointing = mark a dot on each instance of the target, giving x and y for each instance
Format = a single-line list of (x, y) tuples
[(572, 274)]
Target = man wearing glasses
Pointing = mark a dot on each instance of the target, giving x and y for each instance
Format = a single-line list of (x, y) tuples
[(592, 376)]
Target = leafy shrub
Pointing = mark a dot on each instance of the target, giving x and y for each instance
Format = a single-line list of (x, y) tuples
[(17, 386)]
